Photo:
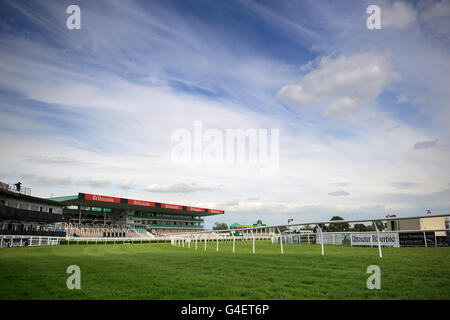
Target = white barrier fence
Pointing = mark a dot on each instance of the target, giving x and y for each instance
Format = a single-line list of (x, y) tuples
[(32, 241), (104, 240), (370, 238), (436, 237)]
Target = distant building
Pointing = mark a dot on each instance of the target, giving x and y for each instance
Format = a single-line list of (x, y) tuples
[(23, 214), (239, 225), (432, 223)]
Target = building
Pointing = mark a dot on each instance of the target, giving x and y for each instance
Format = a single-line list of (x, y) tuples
[(138, 215), (432, 223), (239, 225), (25, 215)]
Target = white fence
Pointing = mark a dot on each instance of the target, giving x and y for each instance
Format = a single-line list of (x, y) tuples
[(401, 238), (22, 241), (105, 240), (32, 241)]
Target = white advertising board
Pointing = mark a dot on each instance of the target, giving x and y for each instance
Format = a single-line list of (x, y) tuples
[(387, 239)]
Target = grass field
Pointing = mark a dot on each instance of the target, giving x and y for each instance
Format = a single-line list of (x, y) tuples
[(160, 271)]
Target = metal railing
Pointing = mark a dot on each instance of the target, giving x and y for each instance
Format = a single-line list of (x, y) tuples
[(28, 241), (251, 231), (13, 188)]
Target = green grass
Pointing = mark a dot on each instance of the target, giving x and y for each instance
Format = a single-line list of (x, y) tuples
[(160, 271)]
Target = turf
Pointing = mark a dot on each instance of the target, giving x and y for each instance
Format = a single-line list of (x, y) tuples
[(161, 271)]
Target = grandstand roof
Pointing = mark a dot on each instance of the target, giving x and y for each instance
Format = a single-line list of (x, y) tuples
[(86, 199)]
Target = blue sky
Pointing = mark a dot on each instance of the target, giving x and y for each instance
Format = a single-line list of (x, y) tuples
[(362, 114)]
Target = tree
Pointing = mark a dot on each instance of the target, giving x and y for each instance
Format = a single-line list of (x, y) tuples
[(307, 227), (359, 227), (338, 227), (220, 226), (379, 224)]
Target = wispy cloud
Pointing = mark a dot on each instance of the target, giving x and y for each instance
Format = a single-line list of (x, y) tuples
[(339, 193), (177, 188), (425, 144), (405, 185)]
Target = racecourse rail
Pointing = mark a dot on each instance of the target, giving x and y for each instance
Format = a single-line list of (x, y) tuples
[(272, 233)]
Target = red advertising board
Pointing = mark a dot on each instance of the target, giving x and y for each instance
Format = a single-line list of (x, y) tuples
[(195, 209), (171, 206), (141, 203), (215, 211), (95, 197)]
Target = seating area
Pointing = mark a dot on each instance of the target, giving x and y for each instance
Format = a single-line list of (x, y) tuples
[(105, 231)]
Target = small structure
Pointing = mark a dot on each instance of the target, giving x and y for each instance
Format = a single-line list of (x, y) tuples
[(28, 216), (432, 223)]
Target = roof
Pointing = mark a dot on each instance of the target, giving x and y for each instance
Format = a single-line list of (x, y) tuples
[(20, 196), (87, 199), (241, 225), (246, 224)]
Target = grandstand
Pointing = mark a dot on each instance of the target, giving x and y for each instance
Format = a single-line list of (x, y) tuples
[(108, 230), (90, 215), (26, 220)]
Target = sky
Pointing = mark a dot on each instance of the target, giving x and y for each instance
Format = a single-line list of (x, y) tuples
[(361, 114)]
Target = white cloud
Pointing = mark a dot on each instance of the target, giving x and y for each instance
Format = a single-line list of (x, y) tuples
[(51, 181), (126, 184), (96, 182), (402, 99), (405, 185), (177, 188), (339, 193), (345, 83), (425, 144), (437, 17), (400, 15)]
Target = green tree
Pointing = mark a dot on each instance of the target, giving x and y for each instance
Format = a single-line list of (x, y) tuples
[(220, 226), (338, 227), (359, 227), (380, 225)]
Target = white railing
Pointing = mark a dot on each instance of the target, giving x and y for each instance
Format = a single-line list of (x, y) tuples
[(22, 241), (105, 240), (372, 238)]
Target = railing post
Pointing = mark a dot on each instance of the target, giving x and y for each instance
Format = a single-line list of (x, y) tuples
[(321, 238), (378, 238), (425, 239), (234, 244), (281, 240), (435, 239), (253, 236)]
